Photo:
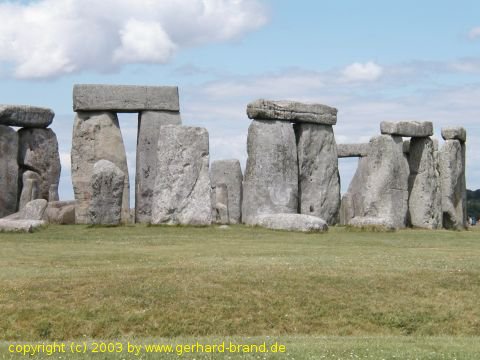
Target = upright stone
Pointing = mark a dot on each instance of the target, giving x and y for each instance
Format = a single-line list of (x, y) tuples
[(30, 188), (182, 185), (149, 124), (96, 136), (38, 151), (453, 185), (424, 202), (319, 180), (353, 201), (53, 193), (220, 204), (107, 186), (270, 185), (386, 192), (229, 172), (8, 171)]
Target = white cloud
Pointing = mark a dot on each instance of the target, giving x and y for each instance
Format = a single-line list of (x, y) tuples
[(48, 38), (474, 33), (362, 72)]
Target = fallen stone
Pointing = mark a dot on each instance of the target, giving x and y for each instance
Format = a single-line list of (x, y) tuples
[(8, 171), (407, 128), (352, 150), (270, 184), (30, 189), (38, 151), (292, 111), (291, 222), (454, 133), (34, 210), (353, 201), (96, 136), (149, 123), (124, 98), (20, 225), (60, 212), (372, 222), (229, 172), (25, 116), (220, 204), (453, 185), (182, 185), (424, 202), (386, 191), (319, 180), (107, 184)]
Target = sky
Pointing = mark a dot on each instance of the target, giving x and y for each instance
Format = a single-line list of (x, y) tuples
[(372, 60)]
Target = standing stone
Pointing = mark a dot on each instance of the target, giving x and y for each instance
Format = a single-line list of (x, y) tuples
[(107, 185), (149, 123), (353, 201), (182, 185), (38, 151), (452, 174), (8, 171), (220, 204), (96, 136), (53, 193), (319, 180), (424, 202), (270, 185), (229, 172), (386, 192), (30, 189)]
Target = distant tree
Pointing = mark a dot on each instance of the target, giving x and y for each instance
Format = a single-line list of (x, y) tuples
[(473, 203)]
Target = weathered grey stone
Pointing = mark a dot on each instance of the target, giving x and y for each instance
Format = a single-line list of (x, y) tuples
[(34, 210), (53, 193), (60, 212), (424, 202), (270, 184), (407, 128), (318, 178), (453, 185), (229, 172), (30, 188), (352, 150), (182, 185), (406, 147), (292, 111), (7, 225), (38, 151), (149, 123), (124, 98), (454, 133), (25, 116), (220, 204), (8, 171), (291, 222), (96, 136), (386, 192), (107, 185), (353, 201), (375, 222)]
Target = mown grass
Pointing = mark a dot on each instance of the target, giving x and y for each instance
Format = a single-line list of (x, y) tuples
[(70, 282)]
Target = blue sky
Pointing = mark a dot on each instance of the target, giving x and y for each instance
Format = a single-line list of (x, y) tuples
[(373, 60)]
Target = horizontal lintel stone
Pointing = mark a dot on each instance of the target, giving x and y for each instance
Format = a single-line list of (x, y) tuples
[(454, 133), (407, 128), (292, 111), (352, 150), (26, 116), (124, 98)]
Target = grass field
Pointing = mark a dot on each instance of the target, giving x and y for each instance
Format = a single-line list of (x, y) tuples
[(344, 294)]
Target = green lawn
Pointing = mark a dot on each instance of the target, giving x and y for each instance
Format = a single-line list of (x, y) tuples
[(344, 294)]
